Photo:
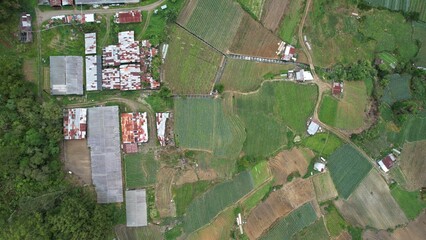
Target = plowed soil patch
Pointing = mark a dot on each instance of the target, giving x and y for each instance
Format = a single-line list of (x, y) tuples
[(290, 161)]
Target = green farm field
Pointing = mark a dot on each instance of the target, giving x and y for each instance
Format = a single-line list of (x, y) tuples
[(204, 208), (323, 143), (290, 22), (420, 34), (254, 7), (267, 112), (62, 41), (140, 169), (401, 5), (204, 124), (315, 231), (398, 88), (216, 22), (249, 203), (334, 221), (410, 202), (245, 76), (184, 194), (348, 112), (297, 220), (348, 168), (260, 173), (191, 65), (389, 60)]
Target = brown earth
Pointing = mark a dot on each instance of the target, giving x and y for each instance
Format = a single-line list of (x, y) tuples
[(324, 187), (289, 161), (415, 230), (196, 174), (218, 229), (186, 12), (273, 13), (163, 192), (372, 204), (255, 40), (344, 236), (77, 159), (413, 164), (29, 69), (277, 205), (136, 233)]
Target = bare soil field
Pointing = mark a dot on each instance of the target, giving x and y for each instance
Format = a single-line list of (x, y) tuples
[(218, 229), (301, 56), (255, 40), (344, 236), (193, 175), (273, 12), (136, 233), (372, 204), (77, 159), (163, 192), (289, 161), (415, 230), (186, 12), (277, 205), (29, 70), (324, 187), (413, 164)]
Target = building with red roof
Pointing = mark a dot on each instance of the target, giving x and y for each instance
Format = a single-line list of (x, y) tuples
[(128, 17), (337, 88), (387, 162)]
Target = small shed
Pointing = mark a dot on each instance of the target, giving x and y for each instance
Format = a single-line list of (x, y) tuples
[(136, 208), (320, 167), (313, 128), (337, 88)]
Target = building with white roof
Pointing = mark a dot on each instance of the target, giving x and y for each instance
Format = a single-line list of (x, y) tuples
[(66, 75), (90, 43), (161, 119), (136, 208), (110, 78), (303, 75), (313, 128), (111, 56), (93, 73), (130, 77), (320, 167), (75, 123)]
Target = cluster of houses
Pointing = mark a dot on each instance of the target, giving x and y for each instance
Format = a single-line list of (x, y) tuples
[(101, 127), (61, 3), (286, 52), (300, 75), (74, 18), (388, 161), (123, 66), (26, 29)]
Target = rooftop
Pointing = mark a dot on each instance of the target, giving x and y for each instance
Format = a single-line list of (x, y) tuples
[(136, 208), (161, 119), (110, 78), (130, 77), (110, 56), (128, 17), (66, 75), (313, 128), (91, 2), (90, 43), (93, 73), (75, 123), (104, 144), (134, 127)]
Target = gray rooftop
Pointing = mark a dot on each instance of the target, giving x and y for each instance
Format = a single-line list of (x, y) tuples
[(104, 144), (66, 75), (136, 210), (104, 1)]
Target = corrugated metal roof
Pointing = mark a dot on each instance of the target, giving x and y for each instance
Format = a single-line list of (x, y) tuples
[(66, 75), (90, 43), (134, 127), (128, 17), (130, 77), (104, 143), (110, 78), (161, 119), (136, 208), (93, 73), (75, 123), (105, 1)]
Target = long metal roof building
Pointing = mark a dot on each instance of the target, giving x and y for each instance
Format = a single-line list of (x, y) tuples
[(136, 209), (104, 144), (66, 75)]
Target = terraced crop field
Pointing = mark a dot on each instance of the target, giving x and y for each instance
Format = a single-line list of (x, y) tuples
[(140, 169), (216, 22), (398, 88), (420, 34), (191, 65), (315, 231), (203, 124), (254, 7), (402, 5), (204, 208), (348, 168), (286, 227)]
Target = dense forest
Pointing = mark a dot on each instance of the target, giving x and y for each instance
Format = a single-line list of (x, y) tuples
[(36, 202)]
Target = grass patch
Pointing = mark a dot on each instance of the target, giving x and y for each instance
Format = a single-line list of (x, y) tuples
[(253, 7), (256, 197), (291, 20), (328, 110), (420, 35), (141, 169), (410, 202), (323, 143), (184, 194), (389, 61), (204, 208), (267, 113), (245, 76), (191, 65), (286, 227), (260, 173), (348, 168), (173, 233), (334, 221), (315, 231)]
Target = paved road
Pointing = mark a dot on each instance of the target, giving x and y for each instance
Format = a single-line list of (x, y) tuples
[(46, 15)]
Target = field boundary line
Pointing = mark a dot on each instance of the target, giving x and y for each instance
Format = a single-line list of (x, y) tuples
[(199, 38)]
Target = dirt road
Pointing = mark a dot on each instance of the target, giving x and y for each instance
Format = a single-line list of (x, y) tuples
[(43, 16)]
